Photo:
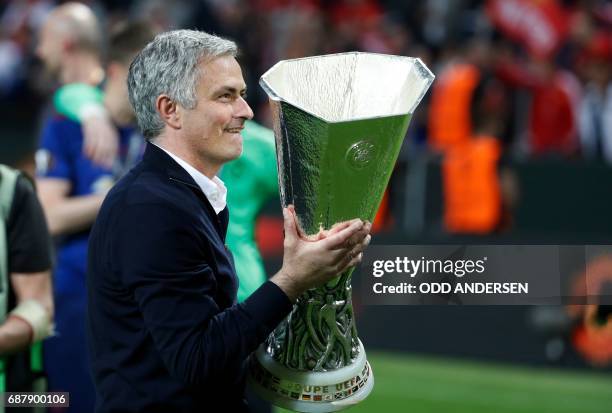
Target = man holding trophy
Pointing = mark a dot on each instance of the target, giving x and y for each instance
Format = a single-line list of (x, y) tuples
[(165, 332)]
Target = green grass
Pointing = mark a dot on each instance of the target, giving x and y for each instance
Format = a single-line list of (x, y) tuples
[(415, 384)]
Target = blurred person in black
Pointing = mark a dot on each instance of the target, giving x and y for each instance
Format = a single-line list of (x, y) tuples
[(26, 305), (166, 333)]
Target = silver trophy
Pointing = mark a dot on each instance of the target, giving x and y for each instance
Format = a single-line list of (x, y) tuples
[(339, 123)]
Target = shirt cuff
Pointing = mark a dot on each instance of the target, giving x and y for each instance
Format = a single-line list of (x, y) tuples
[(268, 305)]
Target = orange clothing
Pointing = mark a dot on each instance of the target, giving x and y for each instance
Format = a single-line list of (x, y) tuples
[(450, 120), (472, 195), (591, 340)]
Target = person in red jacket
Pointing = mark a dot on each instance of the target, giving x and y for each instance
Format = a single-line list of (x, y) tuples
[(552, 114)]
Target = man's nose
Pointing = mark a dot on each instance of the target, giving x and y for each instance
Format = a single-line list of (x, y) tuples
[(243, 110)]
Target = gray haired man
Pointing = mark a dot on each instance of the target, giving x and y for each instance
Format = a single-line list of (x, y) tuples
[(166, 333)]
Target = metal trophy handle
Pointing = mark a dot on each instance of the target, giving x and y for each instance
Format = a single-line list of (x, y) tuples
[(339, 122)]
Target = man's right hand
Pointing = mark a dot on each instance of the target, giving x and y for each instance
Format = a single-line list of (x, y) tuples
[(312, 263)]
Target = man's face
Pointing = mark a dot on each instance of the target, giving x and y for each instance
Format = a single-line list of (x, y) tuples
[(212, 128), (50, 46)]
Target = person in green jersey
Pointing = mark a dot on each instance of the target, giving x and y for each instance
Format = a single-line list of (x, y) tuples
[(251, 181)]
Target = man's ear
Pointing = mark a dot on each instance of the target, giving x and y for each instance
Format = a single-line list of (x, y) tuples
[(169, 111)]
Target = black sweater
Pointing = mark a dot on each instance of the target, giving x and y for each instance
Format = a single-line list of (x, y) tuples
[(165, 332)]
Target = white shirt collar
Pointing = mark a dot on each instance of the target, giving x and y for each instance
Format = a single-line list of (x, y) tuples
[(214, 189)]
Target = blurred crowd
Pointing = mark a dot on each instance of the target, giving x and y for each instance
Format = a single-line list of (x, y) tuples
[(532, 77), (551, 58)]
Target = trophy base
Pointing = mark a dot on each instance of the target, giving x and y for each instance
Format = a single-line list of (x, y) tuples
[(309, 391)]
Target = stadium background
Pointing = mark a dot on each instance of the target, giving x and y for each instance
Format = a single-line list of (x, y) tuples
[(425, 359)]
